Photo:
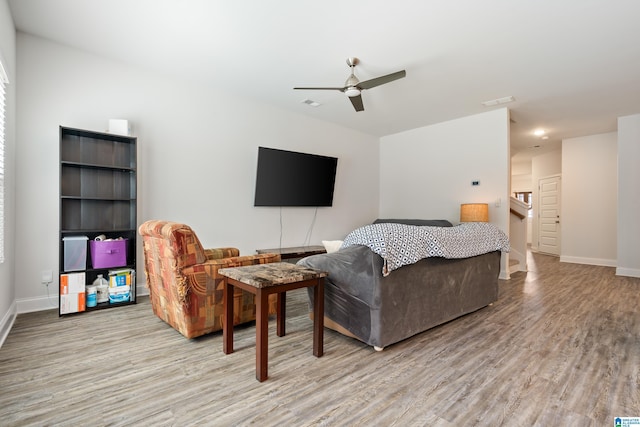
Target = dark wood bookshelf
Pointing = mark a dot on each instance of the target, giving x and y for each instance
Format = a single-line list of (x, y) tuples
[(98, 194)]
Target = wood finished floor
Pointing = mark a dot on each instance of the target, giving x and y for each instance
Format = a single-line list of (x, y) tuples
[(560, 347)]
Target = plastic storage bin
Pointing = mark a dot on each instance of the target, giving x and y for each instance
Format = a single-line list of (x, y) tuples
[(75, 253), (108, 253)]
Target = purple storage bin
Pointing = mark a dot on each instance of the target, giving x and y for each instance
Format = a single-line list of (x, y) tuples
[(108, 253)]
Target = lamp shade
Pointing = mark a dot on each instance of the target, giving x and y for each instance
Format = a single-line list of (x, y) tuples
[(474, 212)]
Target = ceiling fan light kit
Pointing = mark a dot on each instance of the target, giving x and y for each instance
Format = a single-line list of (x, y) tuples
[(353, 87), (352, 91)]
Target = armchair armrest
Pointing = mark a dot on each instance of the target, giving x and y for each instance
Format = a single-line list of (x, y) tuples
[(205, 275), (219, 253)]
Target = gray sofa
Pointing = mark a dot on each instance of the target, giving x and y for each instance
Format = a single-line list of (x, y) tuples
[(380, 311)]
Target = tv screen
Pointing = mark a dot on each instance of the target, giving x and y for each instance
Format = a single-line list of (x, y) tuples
[(289, 178)]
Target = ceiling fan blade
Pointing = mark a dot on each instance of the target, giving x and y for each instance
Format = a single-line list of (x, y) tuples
[(357, 102), (341, 89), (368, 84)]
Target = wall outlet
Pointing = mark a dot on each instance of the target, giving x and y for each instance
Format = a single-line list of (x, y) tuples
[(47, 277)]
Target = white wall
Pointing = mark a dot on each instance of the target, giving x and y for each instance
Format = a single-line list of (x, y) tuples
[(521, 184), (628, 196), (197, 158), (542, 166), (521, 176), (7, 268), (427, 172), (589, 200)]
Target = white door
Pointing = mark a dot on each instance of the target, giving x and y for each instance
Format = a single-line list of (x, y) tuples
[(549, 215)]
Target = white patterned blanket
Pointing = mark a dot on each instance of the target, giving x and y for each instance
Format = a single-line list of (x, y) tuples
[(400, 244)]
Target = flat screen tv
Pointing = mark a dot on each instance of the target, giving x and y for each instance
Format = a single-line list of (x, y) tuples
[(289, 178)]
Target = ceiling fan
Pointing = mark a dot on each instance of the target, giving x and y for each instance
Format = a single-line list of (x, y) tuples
[(353, 87)]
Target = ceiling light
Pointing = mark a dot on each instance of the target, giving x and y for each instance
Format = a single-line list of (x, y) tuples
[(498, 101), (538, 132), (545, 137), (352, 91)]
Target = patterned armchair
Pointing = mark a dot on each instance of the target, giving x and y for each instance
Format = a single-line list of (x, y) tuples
[(183, 281)]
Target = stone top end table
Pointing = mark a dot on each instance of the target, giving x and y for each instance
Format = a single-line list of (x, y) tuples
[(263, 280)]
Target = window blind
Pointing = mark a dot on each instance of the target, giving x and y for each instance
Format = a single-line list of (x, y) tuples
[(3, 82)]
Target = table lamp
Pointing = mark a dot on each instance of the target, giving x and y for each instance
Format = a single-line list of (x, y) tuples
[(474, 212)]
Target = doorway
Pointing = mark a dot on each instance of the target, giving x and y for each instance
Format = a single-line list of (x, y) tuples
[(549, 215)]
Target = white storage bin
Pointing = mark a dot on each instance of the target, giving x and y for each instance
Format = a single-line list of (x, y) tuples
[(75, 253)]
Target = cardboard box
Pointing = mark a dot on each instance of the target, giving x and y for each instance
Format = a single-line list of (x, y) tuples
[(72, 303), (72, 283), (119, 126), (108, 253), (123, 277)]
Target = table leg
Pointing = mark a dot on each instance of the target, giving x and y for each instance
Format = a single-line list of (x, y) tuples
[(227, 326), (281, 309), (262, 334), (318, 318)]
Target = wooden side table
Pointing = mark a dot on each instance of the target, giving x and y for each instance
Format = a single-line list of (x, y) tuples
[(263, 280), (294, 252)]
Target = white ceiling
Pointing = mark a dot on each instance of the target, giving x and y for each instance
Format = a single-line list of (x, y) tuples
[(573, 66)]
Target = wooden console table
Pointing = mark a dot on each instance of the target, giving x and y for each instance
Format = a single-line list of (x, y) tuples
[(294, 252), (263, 280)]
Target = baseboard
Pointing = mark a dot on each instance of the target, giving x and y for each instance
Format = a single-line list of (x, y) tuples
[(7, 323), (514, 268), (29, 305), (589, 261), (629, 272), (504, 275)]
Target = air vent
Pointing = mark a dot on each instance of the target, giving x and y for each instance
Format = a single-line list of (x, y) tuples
[(311, 102), (493, 102)]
